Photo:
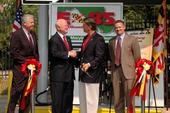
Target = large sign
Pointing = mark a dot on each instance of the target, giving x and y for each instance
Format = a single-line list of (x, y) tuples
[(104, 15), (127, 2), (145, 38)]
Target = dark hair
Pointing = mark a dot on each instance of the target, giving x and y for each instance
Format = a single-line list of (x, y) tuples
[(90, 22), (119, 21)]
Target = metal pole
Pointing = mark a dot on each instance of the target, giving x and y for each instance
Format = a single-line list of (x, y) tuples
[(142, 106), (111, 94), (149, 95), (43, 30), (32, 102), (154, 96)]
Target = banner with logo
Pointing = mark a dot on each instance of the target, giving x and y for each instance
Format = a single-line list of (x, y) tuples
[(145, 38), (104, 15)]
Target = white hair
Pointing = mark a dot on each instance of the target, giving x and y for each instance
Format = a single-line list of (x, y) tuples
[(26, 17)]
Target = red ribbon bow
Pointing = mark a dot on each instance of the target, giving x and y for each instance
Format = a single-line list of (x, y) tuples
[(31, 69)]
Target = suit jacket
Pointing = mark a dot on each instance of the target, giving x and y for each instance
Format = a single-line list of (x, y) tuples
[(130, 52), (61, 66), (93, 54), (21, 49)]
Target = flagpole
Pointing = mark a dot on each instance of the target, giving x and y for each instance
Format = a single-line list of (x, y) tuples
[(142, 106), (165, 18), (32, 102), (149, 95)]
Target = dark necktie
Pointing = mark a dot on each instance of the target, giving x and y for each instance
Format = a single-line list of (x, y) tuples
[(118, 52), (30, 39), (66, 43)]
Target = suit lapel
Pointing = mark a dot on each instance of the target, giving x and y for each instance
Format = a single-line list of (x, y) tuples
[(114, 44), (26, 38), (24, 35), (62, 42), (87, 45), (124, 43), (92, 38)]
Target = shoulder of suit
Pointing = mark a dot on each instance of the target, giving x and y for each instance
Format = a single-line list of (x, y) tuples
[(130, 36), (55, 35), (112, 39), (18, 32), (97, 35), (52, 37)]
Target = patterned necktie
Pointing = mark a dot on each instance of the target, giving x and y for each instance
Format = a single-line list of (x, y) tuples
[(66, 43), (30, 39), (118, 52)]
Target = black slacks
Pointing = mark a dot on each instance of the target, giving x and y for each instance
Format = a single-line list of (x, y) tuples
[(62, 96)]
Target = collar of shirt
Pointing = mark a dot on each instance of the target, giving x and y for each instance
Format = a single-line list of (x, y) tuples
[(122, 37), (61, 35), (26, 32)]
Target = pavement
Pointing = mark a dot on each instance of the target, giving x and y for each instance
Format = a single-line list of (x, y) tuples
[(165, 110), (4, 99), (3, 103)]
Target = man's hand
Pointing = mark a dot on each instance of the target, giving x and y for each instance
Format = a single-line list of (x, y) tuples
[(85, 66), (72, 53)]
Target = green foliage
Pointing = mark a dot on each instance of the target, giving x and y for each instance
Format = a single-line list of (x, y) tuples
[(6, 17)]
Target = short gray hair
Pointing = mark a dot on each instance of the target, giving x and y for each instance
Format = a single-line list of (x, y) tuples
[(26, 17)]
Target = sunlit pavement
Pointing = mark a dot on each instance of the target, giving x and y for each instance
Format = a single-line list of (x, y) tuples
[(47, 109)]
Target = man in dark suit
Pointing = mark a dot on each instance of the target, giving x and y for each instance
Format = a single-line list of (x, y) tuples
[(23, 45), (124, 52), (62, 76), (91, 69)]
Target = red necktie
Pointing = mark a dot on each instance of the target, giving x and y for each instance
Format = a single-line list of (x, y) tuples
[(118, 52), (66, 43)]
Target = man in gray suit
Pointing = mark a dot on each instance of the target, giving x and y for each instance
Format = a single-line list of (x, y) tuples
[(124, 51)]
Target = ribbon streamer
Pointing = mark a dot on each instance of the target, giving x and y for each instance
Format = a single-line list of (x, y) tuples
[(144, 69), (31, 69)]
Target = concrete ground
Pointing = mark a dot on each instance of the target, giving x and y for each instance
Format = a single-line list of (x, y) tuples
[(164, 110), (3, 103), (47, 109)]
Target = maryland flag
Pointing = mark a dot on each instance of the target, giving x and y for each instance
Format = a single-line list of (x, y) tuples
[(159, 43)]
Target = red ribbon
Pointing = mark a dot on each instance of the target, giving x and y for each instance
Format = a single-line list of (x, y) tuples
[(31, 80), (141, 76)]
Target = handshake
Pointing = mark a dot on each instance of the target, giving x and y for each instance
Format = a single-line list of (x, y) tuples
[(72, 53)]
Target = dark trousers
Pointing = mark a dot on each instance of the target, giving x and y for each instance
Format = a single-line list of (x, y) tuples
[(15, 95), (62, 96)]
